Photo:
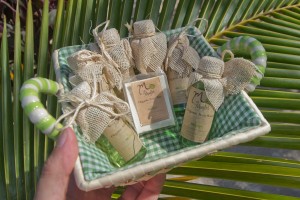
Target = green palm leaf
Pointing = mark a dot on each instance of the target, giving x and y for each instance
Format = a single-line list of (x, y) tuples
[(275, 23), (196, 191), (42, 71), (28, 129), (57, 43), (7, 138), (18, 133)]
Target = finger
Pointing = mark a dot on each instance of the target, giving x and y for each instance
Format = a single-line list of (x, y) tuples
[(132, 191), (152, 188), (74, 193), (145, 190), (54, 179)]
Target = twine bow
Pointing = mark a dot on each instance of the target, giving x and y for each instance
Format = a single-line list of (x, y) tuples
[(143, 29), (118, 108), (221, 79), (189, 55), (104, 50), (143, 35), (84, 56)]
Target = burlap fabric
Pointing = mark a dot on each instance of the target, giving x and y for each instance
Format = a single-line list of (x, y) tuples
[(75, 80), (117, 50), (93, 112), (181, 57), (237, 75), (221, 79), (180, 61), (148, 47), (86, 64)]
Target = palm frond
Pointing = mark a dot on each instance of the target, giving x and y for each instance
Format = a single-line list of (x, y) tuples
[(42, 71), (7, 138), (197, 191), (18, 113), (28, 129)]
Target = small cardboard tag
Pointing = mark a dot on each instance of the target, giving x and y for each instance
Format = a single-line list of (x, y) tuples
[(149, 101)]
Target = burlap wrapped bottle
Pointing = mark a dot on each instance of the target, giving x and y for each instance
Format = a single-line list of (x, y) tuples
[(86, 64), (209, 84), (117, 50), (148, 47), (180, 61), (103, 121)]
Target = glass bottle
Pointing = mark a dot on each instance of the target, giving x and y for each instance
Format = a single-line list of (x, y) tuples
[(103, 121), (178, 86), (198, 116), (121, 144)]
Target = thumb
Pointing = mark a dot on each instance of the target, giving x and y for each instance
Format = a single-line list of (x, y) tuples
[(54, 179)]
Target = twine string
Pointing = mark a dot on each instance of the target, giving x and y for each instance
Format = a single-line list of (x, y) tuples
[(82, 103), (177, 40), (104, 48), (143, 35), (139, 36), (208, 75), (184, 31), (227, 52)]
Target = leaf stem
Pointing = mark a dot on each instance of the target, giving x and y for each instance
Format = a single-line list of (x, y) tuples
[(231, 28)]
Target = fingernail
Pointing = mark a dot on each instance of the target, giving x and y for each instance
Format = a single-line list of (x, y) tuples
[(63, 138)]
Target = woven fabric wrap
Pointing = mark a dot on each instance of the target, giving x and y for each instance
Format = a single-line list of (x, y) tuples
[(181, 57), (234, 116), (96, 111), (237, 74), (86, 64), (221, 79), (149, 48), (118, 49)]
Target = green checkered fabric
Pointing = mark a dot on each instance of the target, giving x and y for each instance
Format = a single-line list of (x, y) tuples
[(233, 117)]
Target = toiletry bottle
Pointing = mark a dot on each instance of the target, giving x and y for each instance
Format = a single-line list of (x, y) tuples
[(122, 145), (205, 96), (180, 61), (103, 120), (198, 116)]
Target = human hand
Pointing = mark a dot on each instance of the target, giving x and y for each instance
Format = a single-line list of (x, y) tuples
[(57, 183), (146, 190)]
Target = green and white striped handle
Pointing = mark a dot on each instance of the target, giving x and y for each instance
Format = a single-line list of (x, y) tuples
[(35, 110), (257, 52)]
